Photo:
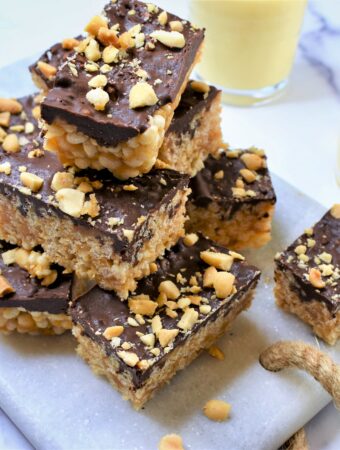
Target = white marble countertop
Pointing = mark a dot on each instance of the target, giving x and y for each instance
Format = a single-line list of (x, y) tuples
[(300, 132)]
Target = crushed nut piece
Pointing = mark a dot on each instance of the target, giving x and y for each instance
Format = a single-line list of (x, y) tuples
[(92, 51), (46, 69), (148, 339), (209, 276), (69, 43), (335, 211), (252, 161), (190, 239), (110, 54), (176, 25), (156, 324), (95, 24), (223, 284), (5, 168), (188, 319), (71, 201), (62, 180), (131, 359), (171, 442), (10, 105), (169, 288), (31, 181), (11, 143), (99, 98), (248, 175), (171, 39), (128, 234), (142, 94), (163, 18), (107, 37), (315, 278), (300, 249), (200, 86), (91, 207), (165, 337), (112, 332), (5, 286), (5, 118), (141, 304), (221, 261), (99, 81), (205, 309), (216, 352), (219, 175), (217, 410)]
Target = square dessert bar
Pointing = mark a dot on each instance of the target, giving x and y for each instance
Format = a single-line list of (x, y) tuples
[(233, 199), (194, 132), (34, 296), (196, 292), (114, 99), (307, 277), (88, 222)]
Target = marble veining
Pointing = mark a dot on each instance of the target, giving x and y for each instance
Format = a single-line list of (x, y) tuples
[(320, 45)]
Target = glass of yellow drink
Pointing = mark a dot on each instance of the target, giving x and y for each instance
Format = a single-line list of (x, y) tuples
[(250, 45)]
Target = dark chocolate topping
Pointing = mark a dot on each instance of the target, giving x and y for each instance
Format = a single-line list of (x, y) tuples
[(326, 234), (207, 189), (55, 56), (31, 295), (192, 103), (154, 190), (99, 309), (67, 100)]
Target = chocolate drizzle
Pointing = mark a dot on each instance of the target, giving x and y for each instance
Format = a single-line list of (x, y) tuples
[(67, 100), (100, 309)]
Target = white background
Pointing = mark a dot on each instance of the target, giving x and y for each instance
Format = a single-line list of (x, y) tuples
[(300, 132)]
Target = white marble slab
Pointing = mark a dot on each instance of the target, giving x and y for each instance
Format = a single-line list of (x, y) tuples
[(58, 403)]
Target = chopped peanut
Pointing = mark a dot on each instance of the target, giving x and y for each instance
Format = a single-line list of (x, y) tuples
[(190, 239), (62, 180), (46, 69), (315, 279), (188, 319), (171, 39), (223, 284), (131, 359), (248, 175), (165, 337), (110, 54), (31, 181), (252, 161), (221, 261), (141, 304), (209, 276), (200, 86), (171, 442), (112, 332), (5, 286), (10, 105), (142, 94), (176, 25), (69, 43), (98, 98), (335, 211), (71, 201), (92, 51), (148, 339), (5, 118), (11, 143), (163, 18), (217, 410), (169, 288), (108, 37), (99, 81), (216, 352), (95, 24)]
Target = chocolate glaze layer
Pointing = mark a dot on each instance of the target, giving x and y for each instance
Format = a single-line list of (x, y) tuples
[(67, 100), (55, 56), (192, 103), (155, 190), (99, 309), (29, 293), (327, 239), (207, 189)]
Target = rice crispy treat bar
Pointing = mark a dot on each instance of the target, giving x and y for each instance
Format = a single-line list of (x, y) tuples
[(114, 99), (307, 277), (195, 130), (233, 199), (33, 296), (195, 293), (104, 229)]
